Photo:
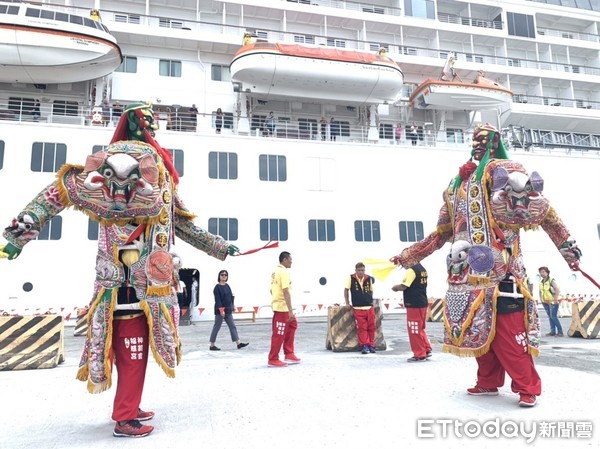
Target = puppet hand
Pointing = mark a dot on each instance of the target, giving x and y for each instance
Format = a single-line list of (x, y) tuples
[(9, 251), (232, 250), (395, 260), (574, 265)]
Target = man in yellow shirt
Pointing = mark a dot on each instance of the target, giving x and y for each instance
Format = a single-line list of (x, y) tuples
[(284, 320)]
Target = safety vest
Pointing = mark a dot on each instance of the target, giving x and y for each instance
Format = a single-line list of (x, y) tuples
[(547, 290)]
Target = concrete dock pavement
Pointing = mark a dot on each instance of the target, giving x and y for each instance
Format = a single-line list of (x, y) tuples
[(231, 399)]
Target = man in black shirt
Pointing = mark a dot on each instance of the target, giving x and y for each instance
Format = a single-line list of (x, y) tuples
[(414, 287)]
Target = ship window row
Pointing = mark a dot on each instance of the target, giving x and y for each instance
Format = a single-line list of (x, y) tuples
[(64, 17), (48, 157), (271, 229)]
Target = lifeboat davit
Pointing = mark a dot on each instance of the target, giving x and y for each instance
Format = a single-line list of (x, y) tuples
[(44, 45), (290, 70)]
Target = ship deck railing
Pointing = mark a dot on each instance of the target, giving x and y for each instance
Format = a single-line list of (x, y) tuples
[(516, 138)]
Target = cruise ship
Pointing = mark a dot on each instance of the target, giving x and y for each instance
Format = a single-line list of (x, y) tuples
[(350, 168)]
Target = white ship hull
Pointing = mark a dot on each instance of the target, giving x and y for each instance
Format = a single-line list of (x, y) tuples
[(325, 181)]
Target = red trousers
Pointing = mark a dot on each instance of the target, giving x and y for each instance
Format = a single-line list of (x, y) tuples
[(130, 351), (508, 354), (284, 332), (365, 326), (416, 317)]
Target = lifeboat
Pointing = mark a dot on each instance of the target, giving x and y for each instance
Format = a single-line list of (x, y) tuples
[(479, 95), (450, 93), (330, 74), (43, 45)]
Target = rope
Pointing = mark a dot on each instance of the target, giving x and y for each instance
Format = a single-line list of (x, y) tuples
[(589, 277), (270, 244)]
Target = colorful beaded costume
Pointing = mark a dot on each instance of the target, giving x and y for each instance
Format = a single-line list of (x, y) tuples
[(485, 207), (131, 190)]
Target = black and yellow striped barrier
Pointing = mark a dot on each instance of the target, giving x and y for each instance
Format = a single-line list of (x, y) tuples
[(435, 311), (585, 320), (31, 342), (81, 323), (341, 330)]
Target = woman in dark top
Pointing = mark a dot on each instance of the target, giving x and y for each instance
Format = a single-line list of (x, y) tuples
[(219, 120), (223, 311)]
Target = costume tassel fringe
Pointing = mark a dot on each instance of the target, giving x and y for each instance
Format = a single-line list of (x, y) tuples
[(63, 195), (158, 290), (185, 213), (170, 372)]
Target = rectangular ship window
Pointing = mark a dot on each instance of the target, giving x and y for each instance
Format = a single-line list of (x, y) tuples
[(170, 68), (225, 227), (52, 230), (222, 165), (273, 229), (178, 161), (47, 157), (411, 231), (92, 229), (321, 230), (272, 167), (367, 231), (129, 65)]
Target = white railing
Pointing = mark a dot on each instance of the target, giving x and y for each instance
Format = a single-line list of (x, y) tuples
[(352, 6), (469, 21), (529, 140), (568, 34)]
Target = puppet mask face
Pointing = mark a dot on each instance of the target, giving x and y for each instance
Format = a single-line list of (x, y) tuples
[(485, 138), (140, 118), (121, 177), (119, 184)]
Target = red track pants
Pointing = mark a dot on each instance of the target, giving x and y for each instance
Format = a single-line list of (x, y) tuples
[(508, 354), (284, 332), (365, 326), (415, 323), (130, 350)]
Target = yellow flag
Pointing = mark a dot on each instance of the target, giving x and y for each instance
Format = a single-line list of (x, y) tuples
[(380, 268)]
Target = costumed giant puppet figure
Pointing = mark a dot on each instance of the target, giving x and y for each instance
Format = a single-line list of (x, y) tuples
[(489, 313), (131, 190)]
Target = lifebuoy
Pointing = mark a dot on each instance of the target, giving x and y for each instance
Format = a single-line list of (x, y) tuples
[(96, 117)]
